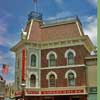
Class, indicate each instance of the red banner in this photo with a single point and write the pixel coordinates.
(23, 63)
(53, 92)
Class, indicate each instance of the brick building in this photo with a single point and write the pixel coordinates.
(2, 88)
(53, 60)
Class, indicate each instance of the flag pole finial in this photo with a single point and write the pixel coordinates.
(35, 5)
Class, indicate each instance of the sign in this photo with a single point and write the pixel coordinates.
(63, 92)
(23, 63)
(52, 92)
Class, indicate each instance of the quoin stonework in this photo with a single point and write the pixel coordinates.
(55, 60)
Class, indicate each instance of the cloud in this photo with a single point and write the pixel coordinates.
(60, 15)
(3, 26)
(59, 1)
(93, 2)
(90, 28)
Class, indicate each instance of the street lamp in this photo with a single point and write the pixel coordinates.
(23, 90)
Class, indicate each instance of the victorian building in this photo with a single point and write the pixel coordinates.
(54, 61)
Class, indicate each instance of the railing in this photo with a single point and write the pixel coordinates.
(65, 19)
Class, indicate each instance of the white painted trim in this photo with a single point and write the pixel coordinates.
(37, 77)
(60, 67)
(70, 71)
(51, 52)
(30, 29)
(32, 53)
(47, 76)
(70, 50)
(78, 28)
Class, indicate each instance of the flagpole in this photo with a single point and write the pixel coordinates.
(35, 5)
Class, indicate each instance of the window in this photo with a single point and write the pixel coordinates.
(52, 81)
(71, 79)
(32, 80)
(52, 60)
(51, 57)
(70, 58)
(33, 60)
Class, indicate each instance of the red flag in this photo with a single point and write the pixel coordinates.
(5, 69)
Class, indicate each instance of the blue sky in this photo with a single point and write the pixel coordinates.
(13, 17)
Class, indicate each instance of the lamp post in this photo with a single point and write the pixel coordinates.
(23, 90)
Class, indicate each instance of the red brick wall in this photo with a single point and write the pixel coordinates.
(61, 81)
(81, 52)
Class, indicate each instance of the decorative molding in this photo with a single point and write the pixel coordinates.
(70, 71)
(47, 76)
(70, 50)
(51, 52)
(61, 67)
(30, 29)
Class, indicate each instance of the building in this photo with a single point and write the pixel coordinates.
(54, 60)
(91, 63)
(2, 88)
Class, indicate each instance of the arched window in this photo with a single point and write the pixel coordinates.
(70, 58)
(52, 80)
(51, 57)
(52, 60)
(33, 60)
(32, 80)
(71, 79)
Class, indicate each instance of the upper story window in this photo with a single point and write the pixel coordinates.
(71, 77)
(70, 55)
(52, 60)
(51, 57)
(70, 58)
(33, 60)
(52, 81)
(51, 77)
(32, 80)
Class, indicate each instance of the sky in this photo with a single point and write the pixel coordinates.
(14, 14)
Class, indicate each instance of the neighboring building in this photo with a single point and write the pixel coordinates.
(53, 61)
(91, 62)
(9, 91)
(2, 88)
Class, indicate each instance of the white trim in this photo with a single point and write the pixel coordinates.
(51, 52)
(32, 53)
(47, 76)
(72, 71)
(79, 28)
(70, 50)
(37, 77)
(30, 29)
(60, 67)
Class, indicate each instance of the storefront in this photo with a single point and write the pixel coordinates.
(65, 94)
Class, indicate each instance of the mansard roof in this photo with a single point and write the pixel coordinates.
(39, 32)
(53, 30)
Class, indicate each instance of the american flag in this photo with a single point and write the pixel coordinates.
(5, 68)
